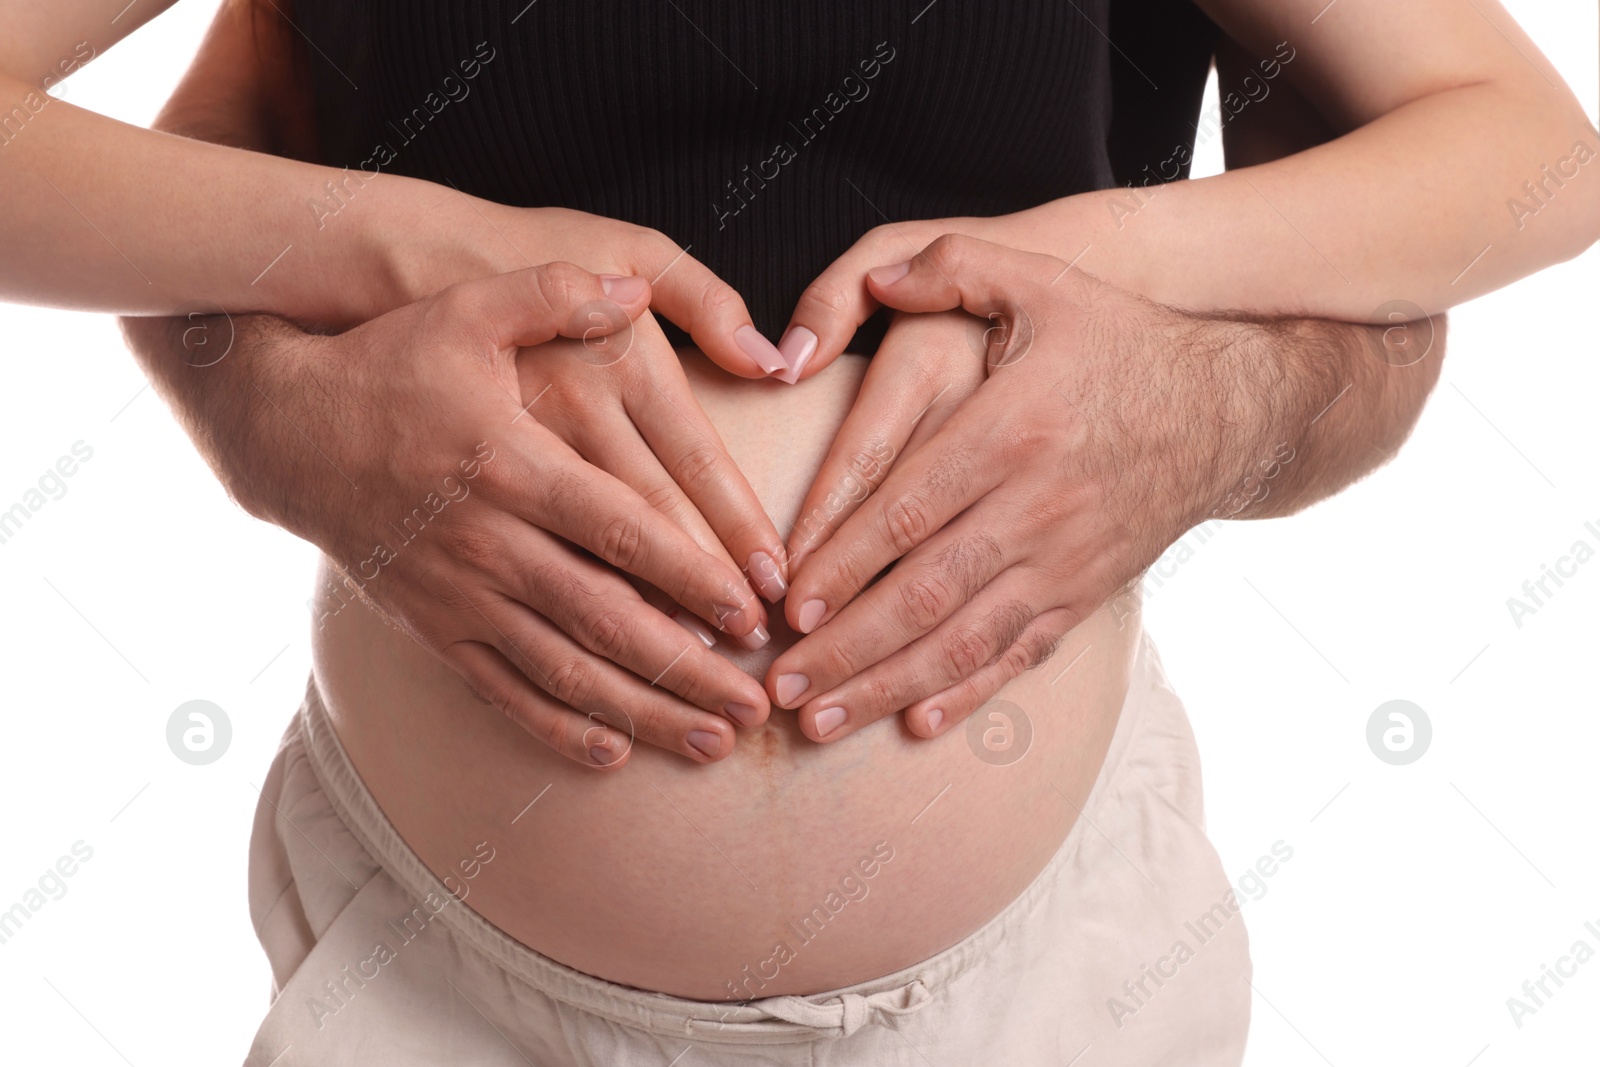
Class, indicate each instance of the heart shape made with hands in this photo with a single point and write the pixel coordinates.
(832, 456)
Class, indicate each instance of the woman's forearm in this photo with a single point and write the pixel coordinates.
(1428, 204)
(1465, 163)
(103, 216)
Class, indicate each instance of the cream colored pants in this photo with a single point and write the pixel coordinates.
(375, 962)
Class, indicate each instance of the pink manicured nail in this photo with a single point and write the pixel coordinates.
(600, 755)
(758, 348)
(623, 288)
(743, 714)
(887, 276)
(791, 687)
(704, 742)
(829, 720)
(811, 613)
(796, 348)
(763, 570)
(935, 720)
(755, 639)
(693, 625)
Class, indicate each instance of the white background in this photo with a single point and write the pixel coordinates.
(1418, 899)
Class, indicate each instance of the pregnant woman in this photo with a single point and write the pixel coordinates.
(437, 882)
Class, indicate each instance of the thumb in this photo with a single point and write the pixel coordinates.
(955, 271)
(523, 308)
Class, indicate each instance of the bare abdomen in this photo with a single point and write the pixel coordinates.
(788, 867)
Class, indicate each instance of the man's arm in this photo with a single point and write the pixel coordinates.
(1193, 417)
(1332, 402)
(1106, 425)
(323, 435)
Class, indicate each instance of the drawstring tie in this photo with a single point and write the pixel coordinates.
(844, 1014)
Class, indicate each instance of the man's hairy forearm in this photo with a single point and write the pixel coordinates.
(1328, 403)
(208, 371)
(1258, 418)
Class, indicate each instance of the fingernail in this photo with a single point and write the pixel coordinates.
(623, 288)
(829, 720)
(743, 714)
(887, 276)
(811, 613)
(764, 572)
(600, 755)
(704, 742)
(791, 687)
(758, 348)
(755, 639)
(796, 348)
(935, 719)
(693, 625)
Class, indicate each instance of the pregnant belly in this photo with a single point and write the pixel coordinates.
(786, 868)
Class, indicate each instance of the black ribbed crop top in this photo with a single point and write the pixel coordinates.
(765, 138)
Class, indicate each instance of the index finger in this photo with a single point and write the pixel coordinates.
(921, 494)
(691, 296)
(837, 303)
(910, 385)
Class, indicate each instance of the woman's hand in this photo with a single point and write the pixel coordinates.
(404, 450)
(1074, 440)
(837, 303)
(487, 238)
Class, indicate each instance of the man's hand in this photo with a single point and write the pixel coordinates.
(1037, 472)
(403, 449)
(577, 628)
